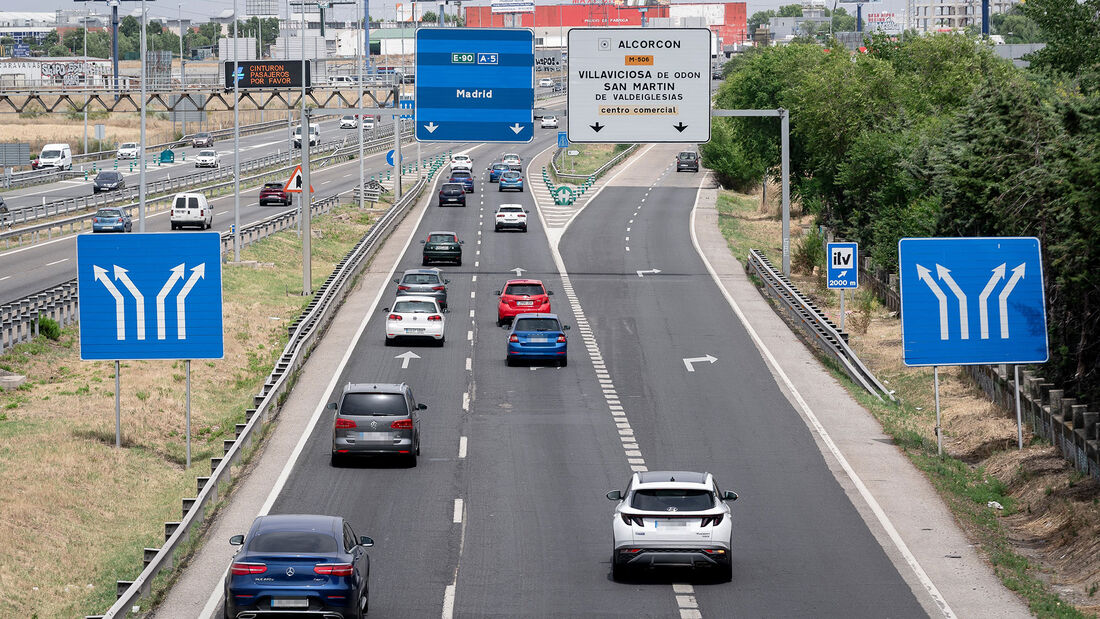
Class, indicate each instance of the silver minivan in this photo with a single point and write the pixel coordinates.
(376, 419)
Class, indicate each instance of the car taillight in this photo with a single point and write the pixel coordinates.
(344, 424)
(635, 520)
(402, 424)
(244, 569)
(523, 215)
(333, 569)
(513, 338)
(438, 288)
(712, 520)
(561, 339)
(201, 212)
(394, 317)
(500, 214)
(402, 287)
(435, 318)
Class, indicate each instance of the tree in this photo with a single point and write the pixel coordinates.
(1072, 33)
(129, 26)
(842, 21)
(790, 10)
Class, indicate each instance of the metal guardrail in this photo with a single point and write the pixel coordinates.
(34, 232)
(304, 334)
(814, 324)
(614, 161)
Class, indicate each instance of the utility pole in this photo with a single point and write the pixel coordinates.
(359, 116)
(236, 140)
(86, 17)
(141, 151)
(306, 197)
(183, 116)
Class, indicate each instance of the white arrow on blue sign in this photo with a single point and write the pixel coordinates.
(475, 85)
(563, 139)
(150, 296)
(967, 301)
(389, 157)
(842, 272)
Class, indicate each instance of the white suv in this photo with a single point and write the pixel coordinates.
(128, 150)
(671, 518)
(511, 216)
(462, 162)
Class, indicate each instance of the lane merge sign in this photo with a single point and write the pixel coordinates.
(475, 85)
(637, 85)
(967, 301)
(294, 183)
(843, 266)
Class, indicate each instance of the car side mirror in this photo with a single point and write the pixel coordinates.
(385, 309)
(526, 211)
(729, 496)
(422, 242)
(365, 541)
(496, 292)
(445, 310)
(615, 495)
(421, 407)
(565, 327)
(549, 293)
(236, 540)
(397, 281)
(331, 406)
(446, 281)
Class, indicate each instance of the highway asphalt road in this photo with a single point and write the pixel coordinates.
(505, 514)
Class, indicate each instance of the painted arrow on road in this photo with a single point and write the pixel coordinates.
(648, 272)
(689, 361)
(405, 357)
(518, 271)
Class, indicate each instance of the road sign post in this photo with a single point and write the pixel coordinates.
(475, 85)
(968, 301)
(842, 270)
(631, 85)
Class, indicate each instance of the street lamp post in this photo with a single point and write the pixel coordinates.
(236, 140)
(141, 151)
(359, 117)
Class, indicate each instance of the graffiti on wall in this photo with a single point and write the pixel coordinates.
(71, 73)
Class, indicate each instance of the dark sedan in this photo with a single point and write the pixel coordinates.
(442, 246)
(452, 194)
(299, 564)
(108, 180)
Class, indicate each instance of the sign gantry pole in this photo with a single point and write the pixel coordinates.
(141, 151)
(305, 202)
(236, 139)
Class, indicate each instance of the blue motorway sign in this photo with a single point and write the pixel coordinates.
(966, 301)
(475, 85)
(21, 50)
(563, 139)
(150, 296)
(407, 104)
(842, 268)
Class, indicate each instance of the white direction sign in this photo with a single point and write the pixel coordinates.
(630, 85)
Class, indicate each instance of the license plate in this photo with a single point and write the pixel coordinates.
(414, 330)
(539, 340)
(289, 603)
(669, 523)
(525, 302)
(374, 436)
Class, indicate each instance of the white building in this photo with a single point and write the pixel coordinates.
(952, 15)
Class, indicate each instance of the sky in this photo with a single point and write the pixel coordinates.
(201, 10)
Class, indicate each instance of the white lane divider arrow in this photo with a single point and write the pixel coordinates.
(431, 127)
(516, 128)
(120, 312)
(197, 273)
(1017, 275)
(649, 272)
(689, 361)
(177, 274)
(518, 271)
(983, 308)
(405, 357)
(964, 314)
(139, 299)
(925, 276)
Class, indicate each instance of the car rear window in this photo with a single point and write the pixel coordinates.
(672, 500)
(523, 289)
(453, 189)
(374, 404)
(510, 175)
(414, 307)
(461, 174)
(537, 324)
(273, 185)
(293, 542)
(515, 167)
(500, 166)
(688, 156)
(107, 213)
(421, 278)
(511, 209)
(441, 238)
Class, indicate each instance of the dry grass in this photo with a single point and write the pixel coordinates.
(1049, 534)
(74, 511)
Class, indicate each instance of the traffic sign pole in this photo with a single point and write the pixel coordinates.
(188, 413)
(842, 309)
(1019, 419)
(939, 430)
(118, 409)
(307, 206)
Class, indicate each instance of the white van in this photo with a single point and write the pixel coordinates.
(56, 156)
(191, 209)
(341, 80)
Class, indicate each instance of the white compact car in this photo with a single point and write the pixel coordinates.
(510, 216)
(208, 159)
(546, 82)
(510, 159)
(462, 162)
(368, 122)
(128, 150)
(348, 122)
(549, 122)
(191, 209)
(671, 518)
(415, 317)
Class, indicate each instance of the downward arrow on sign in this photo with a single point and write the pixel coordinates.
(516, 128)
(680, 127)
(431, 127)
(596, 127)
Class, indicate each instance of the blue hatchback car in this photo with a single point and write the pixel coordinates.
(112, 220)
(464, 178)
(496, 170)
(510, 180)
(538, 337)
(298, 564)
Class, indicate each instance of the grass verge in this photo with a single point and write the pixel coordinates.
(591, 157)
(980, 467)
(64, 485)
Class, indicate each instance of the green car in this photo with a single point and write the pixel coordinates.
(442, 246)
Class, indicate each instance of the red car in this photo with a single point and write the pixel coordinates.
(522, 296)
(273, 192)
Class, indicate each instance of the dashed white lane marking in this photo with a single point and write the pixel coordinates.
(628, 228)
(5, 277)
(469, 336)
(50, 264)
(458, 511)
(469, 364)
(474, 278)
(449, 601)
(690, 613)
(462, 447)
(466, 401)
(477, 264)
(627, 238)
(471, 313)
(627, 249)
(473, 293)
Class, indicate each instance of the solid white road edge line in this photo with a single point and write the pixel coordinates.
(276, 489)
(815, 424)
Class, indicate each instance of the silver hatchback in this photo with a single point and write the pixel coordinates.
(424, 283)
(376, 419)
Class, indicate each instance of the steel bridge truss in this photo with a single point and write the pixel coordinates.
(216, 100)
